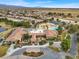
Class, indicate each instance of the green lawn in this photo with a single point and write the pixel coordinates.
(3, 50)
(68, 57)
(54, 49)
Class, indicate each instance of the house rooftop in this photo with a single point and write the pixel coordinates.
(16, 34)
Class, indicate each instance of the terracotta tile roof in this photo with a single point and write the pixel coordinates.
(16, 35)
(50, 33)
(34, 39)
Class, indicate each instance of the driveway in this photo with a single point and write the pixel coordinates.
(48, 54)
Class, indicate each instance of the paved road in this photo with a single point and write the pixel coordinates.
(48, 54)
(73, 49)
(11, 50)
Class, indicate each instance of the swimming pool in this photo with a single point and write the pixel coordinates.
(56, 28)
(53, 28)
(2, 29)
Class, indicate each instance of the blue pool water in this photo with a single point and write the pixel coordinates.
(53, 28)
(2, 29)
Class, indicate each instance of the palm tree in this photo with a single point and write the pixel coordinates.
(59, 29)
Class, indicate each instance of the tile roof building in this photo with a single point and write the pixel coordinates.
(16, 34)
(42, 33)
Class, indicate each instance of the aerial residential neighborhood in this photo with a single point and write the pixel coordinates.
(38, 32)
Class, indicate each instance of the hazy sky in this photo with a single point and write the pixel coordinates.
(43, 3)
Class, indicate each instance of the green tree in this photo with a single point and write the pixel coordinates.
(50, 40)
(50, 13)
(26, 37)
(58, 20)
(50, 20)
(26, 24)
(73, 28)
(15, 24)
(69, 15)
(65, 45)
(78, 37)
(77, 16)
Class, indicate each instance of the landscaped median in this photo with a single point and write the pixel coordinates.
(3, 50)
(33, 54)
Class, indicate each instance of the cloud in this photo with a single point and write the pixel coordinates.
(44, 3)
(69, 5)
(25, 3)
(15, 2)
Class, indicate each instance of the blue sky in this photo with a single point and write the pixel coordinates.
(43, 3)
